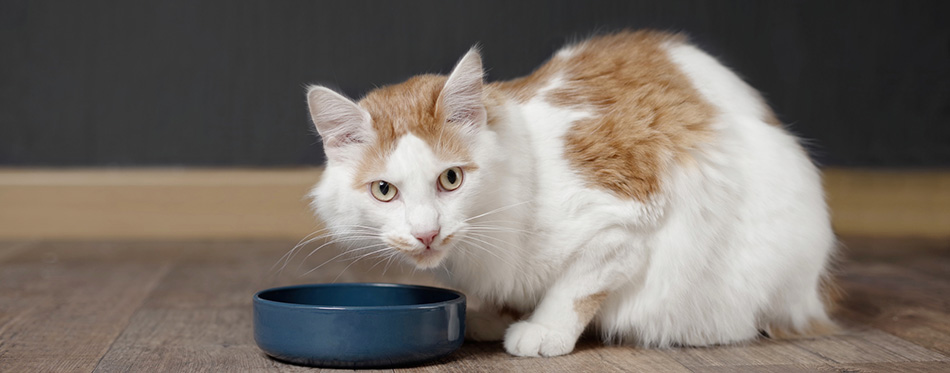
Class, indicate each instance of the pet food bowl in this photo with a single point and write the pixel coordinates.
(358, 325)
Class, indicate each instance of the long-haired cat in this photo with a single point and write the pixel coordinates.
(631, 184)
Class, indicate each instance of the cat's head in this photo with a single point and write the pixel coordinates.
(404, 163)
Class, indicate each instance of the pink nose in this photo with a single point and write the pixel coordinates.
(427, 237)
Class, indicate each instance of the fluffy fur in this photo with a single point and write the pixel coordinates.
(632, 184)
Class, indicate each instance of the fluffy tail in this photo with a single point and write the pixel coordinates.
(817, 325)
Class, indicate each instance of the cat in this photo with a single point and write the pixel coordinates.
(631, 185)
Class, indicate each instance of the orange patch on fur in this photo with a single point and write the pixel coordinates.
(587, 307)
(408, 107)
(647, 112)
(447, 239)
(399, 244)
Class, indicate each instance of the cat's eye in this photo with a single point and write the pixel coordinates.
(383, 191)
(451, 179)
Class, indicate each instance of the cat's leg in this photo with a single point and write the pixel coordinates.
(559, 320)
(569, 304)
(488, 323)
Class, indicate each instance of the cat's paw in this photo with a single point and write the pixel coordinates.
(485, 327)
(525, 338)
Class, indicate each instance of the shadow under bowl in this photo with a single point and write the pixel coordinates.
(359, 325)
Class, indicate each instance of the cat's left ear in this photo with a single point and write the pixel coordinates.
(344, 126)
(461, 97)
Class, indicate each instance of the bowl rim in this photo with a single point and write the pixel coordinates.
(460, 297)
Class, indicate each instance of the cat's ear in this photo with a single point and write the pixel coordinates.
(461, 97)
(343, 125)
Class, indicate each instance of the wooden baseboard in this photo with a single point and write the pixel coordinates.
(155, 204)
(889, 203)
(180, 204)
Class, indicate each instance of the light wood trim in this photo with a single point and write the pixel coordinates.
(155, 204)
(147, 204)
(889, 203)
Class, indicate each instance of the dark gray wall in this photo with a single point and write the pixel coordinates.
(89, 83)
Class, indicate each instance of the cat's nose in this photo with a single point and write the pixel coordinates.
(427, 237)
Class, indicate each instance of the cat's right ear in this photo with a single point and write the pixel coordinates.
(343, 125)
(461, 97)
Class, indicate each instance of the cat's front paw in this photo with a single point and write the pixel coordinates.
(525, 338)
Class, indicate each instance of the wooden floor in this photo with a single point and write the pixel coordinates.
(185, 306)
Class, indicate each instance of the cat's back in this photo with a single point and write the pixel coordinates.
(626, 107)
(643, 141)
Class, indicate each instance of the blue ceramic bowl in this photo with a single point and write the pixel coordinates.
(358, 325)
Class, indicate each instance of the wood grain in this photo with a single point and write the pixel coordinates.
(169, 204)
(859, 344)
(900, 286)
(9, 249)
(809, 368)
(763, 352)
(900, 302)
(60, 314)
(188, 322)
(185, 306)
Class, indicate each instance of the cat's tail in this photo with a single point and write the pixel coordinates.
(815, 324)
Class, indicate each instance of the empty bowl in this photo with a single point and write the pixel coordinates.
(359, 325)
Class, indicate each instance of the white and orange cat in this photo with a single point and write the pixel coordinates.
(631, 184)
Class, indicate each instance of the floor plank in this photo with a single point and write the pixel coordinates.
(189, 339)
(858, 344)
(62, 315)
(189, 320)
(11, 248)
(174, 306)
(899, 301)
(793, 368)
(628, 359)
(922, 367)
(762, 352)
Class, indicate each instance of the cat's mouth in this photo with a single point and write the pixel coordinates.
(426, 258)
(423, 258)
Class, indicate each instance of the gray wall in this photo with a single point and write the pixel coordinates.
(201, 83)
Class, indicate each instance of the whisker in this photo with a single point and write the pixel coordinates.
(501, 225)
(500, 209)
(390, 261)
(498, 230)
(475, 258)
(486, 250)
(337, 256)
(290, 252)
(378, 262)
(330, 242)
(483, 235)
(487, 236)
(307, 240)
(358, 259)
(472, 245)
